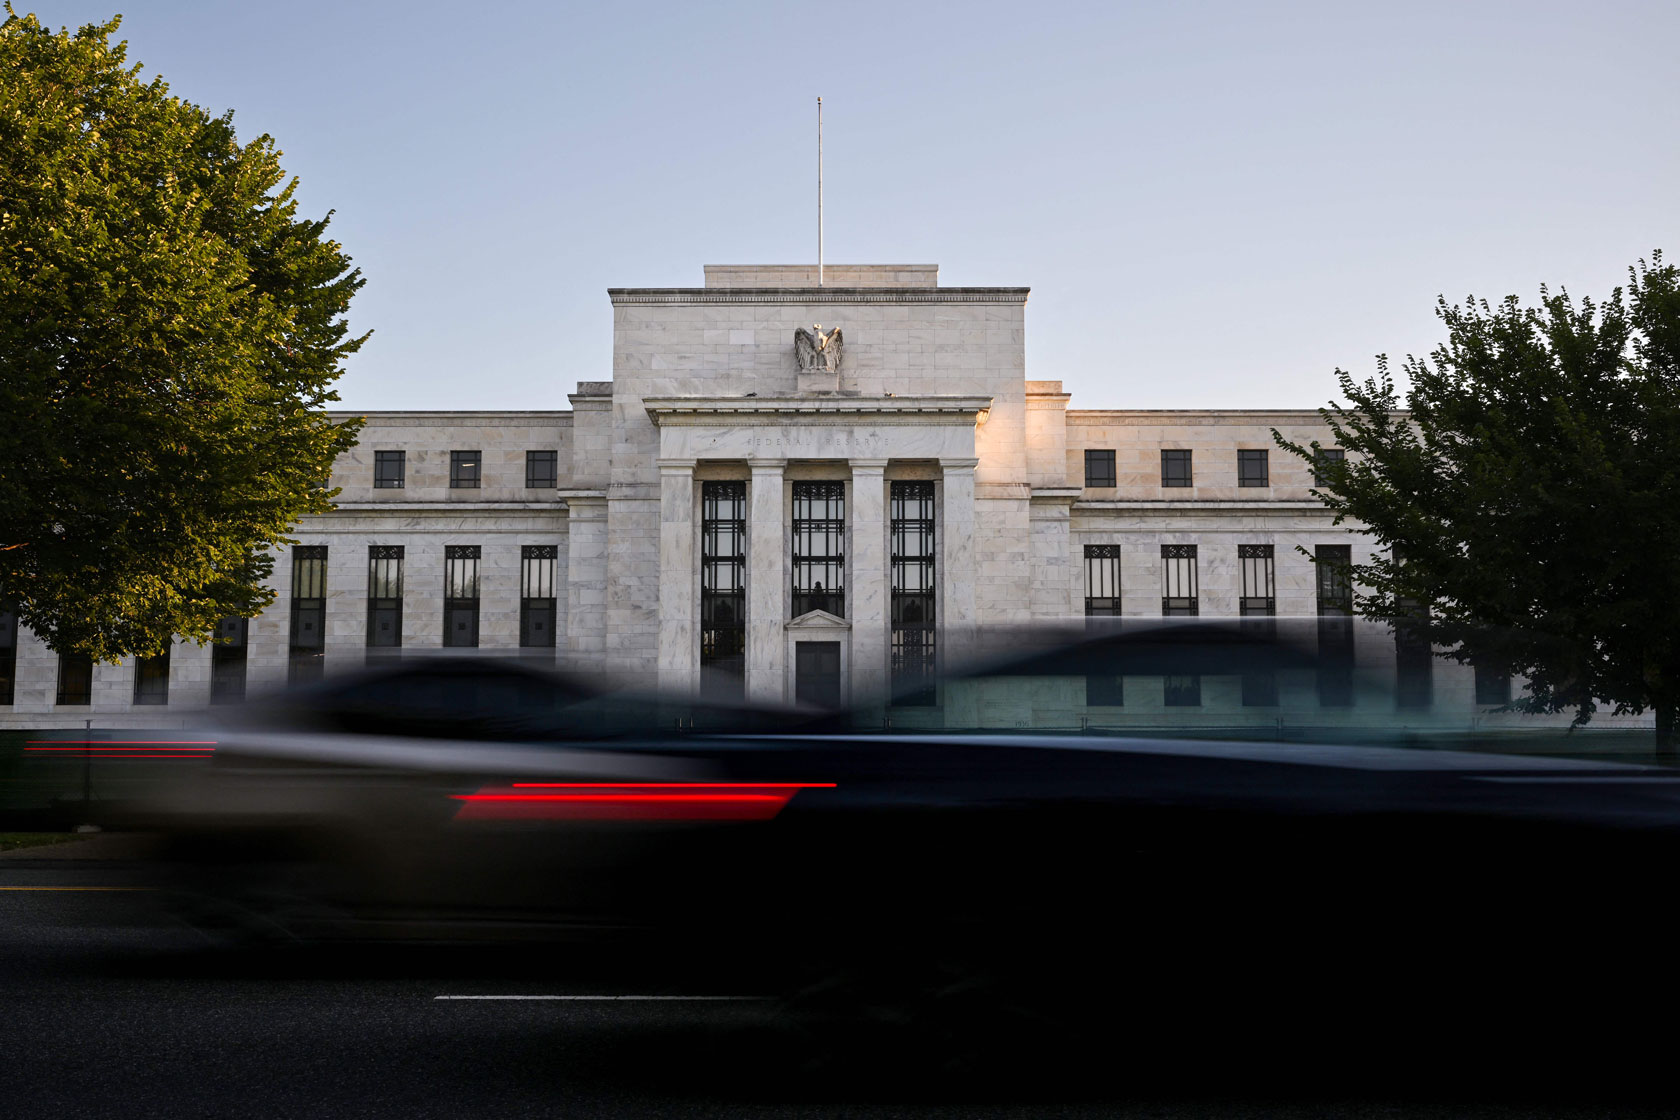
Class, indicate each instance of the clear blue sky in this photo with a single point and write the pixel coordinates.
(1215, 204)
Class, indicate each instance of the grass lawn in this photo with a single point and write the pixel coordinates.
(12, 840)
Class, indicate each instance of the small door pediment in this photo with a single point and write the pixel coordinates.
(818, 621)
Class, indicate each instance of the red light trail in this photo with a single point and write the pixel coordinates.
(634, 801)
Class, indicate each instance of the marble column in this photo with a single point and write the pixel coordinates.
(766, 584)
(868, 595)
(958, 570)
(679, 639)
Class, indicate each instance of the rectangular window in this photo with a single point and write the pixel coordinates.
(723, 588)
(1175, 468)
(460, 594)
(1493, 686)
(819, 548)
(227, 661)
(1252, 469)
(389, 469)
(539, 566)
(465, 467)
(151, 679)
(309, 610)
(1178, 580)
(1181, 691)
(1335, 624)
(1326, 461)
(385, 596)
(1259, 580)
(1414, 664)
(1099, 468)
(542, 470)
(75, 679)
(8, 655)
(1102, 580)
(911, 531)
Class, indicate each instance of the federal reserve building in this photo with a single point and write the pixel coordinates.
(785, 491)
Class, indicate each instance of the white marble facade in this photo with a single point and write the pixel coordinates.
(704, 386)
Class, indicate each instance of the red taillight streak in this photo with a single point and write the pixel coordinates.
(692, 797)
(128, 750)
(134, 755)
(672, 785)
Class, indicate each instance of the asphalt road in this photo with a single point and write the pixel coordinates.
(112, 1005)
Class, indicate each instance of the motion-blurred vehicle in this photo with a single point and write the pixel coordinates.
(1214, 889)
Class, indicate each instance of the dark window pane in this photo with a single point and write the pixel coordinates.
(1182, 692)
(464, 469)
(1179, 589)
(542, 470)
(723, 605)
(1493, 685)
(460, 594)
(1099, 468)
(227, 661)
(151, 679)
(8, 655)
(1325, 462)
(819, 548)
(1175, 468)
(911, 536)
(1104, 691)
(389, 468)
(75, 679)
(1251, 468)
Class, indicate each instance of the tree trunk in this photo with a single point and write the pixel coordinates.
(1665, 729)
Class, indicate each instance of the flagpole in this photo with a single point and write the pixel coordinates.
(819, 196)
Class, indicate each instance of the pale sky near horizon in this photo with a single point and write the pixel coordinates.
(1215, 204)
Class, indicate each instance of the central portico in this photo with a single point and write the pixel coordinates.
(816, 503)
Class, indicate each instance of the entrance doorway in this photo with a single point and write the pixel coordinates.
(816, 673)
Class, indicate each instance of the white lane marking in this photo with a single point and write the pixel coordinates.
(705, 999)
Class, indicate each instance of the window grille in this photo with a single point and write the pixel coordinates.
(75, 679)
(228, 661)
(539, 566)
(1335, 624)
(1178, 580)
(1102, 579)
(723, 600)
(389, 469)
(819, 548)
(911, 531)
(1099, 468)
(1493, 686)
(465, 469)
(542, 470)
(385, 596)
(151, 679)
(8, 655)
(1252, 468)
(1326, 461)
(309, 609)
(1175, 467)
(1259, 583)
(460, 594)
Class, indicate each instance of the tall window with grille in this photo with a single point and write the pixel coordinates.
(75, 679)
(1335, 624)
(307, 648)
(1257, 603)
(723, 588)
(1414, 661)
(819, 548)
(227, 660)
(385, 596)
(389, 469)
(542, 470)
(1102, 600)
(8, 654)
(1178, 580)
(539, 566)
(460, 594)
(466, 469)
(1175, 467)
(151, 679)
(911, 531)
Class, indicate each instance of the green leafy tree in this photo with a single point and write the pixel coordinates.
(1530, 486)
(170, 329)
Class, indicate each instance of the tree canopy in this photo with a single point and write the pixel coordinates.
(1529, 485)
(170, 330)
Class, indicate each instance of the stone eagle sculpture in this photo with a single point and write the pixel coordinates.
(816, 350)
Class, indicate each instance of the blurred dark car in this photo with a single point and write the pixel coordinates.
(1141, 887)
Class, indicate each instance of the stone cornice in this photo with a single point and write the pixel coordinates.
(1199, 505)
(709, 412)
(558, 505)
(693, 296)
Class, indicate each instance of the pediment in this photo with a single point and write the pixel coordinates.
(818, 620)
